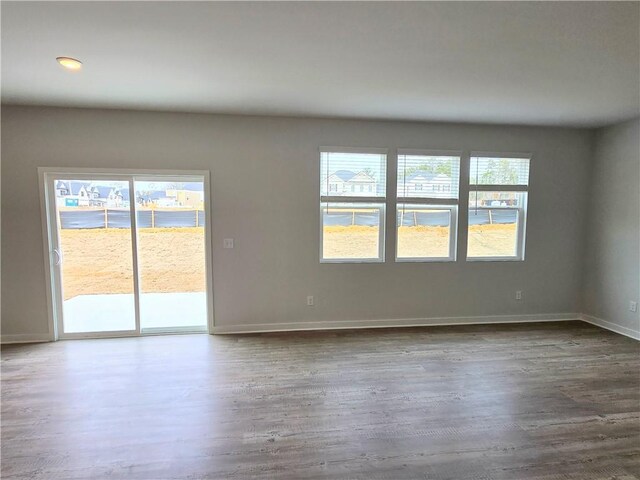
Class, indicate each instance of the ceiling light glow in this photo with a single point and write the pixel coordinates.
(69, 63)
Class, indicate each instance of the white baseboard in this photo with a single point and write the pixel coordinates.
(398, 322)
(599, 322)
(390, 323)
(26, 338)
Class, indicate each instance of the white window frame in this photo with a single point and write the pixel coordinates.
(521, 215)
(327, 200)
(451, 204)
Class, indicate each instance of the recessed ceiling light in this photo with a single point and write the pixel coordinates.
(69, 63)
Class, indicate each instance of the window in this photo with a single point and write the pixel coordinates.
(498, 189)
(427, 212)
(352, 224)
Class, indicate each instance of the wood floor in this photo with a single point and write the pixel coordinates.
(536, 401)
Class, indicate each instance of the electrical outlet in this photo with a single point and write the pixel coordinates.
(518, 294)
(633, 306)
(227, 243)
(310, 301)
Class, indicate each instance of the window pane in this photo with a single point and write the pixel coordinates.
(351, 231)
(171, 253)
(97, 271)
(491, 240)
(493, 223)
(499, 171)
(353, 174)
(428, 176)
(497, 199)
(423, 232)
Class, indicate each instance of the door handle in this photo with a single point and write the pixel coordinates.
(58, 254)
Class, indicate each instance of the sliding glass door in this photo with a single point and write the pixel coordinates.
(127, 253)
(94, 255)
(171, 254)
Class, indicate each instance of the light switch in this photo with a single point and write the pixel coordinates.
(228, 243)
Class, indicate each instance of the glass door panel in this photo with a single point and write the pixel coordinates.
(170, 225)
(94, 255)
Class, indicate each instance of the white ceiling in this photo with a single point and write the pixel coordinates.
(547, 63)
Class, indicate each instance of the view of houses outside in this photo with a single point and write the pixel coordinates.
(425, 176)
(352, 230)
(76, 193)
(348, 183)
(95, 237)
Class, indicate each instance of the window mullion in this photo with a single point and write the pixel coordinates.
(498, 188)
(345, 199)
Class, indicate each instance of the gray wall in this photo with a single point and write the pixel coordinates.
(273, 213)
(612, 272)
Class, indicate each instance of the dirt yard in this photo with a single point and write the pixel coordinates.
(172, 259)
(420, 241)
(99, 260)
(492, 240)
(423, 241)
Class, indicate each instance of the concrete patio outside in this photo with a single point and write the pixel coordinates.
(115, 312)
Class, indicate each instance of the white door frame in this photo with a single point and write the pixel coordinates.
(51, 241)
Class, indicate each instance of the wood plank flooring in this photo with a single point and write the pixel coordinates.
(535, 401)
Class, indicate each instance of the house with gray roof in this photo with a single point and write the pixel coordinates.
(90, 194)
(350, 184)
(423, 183)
